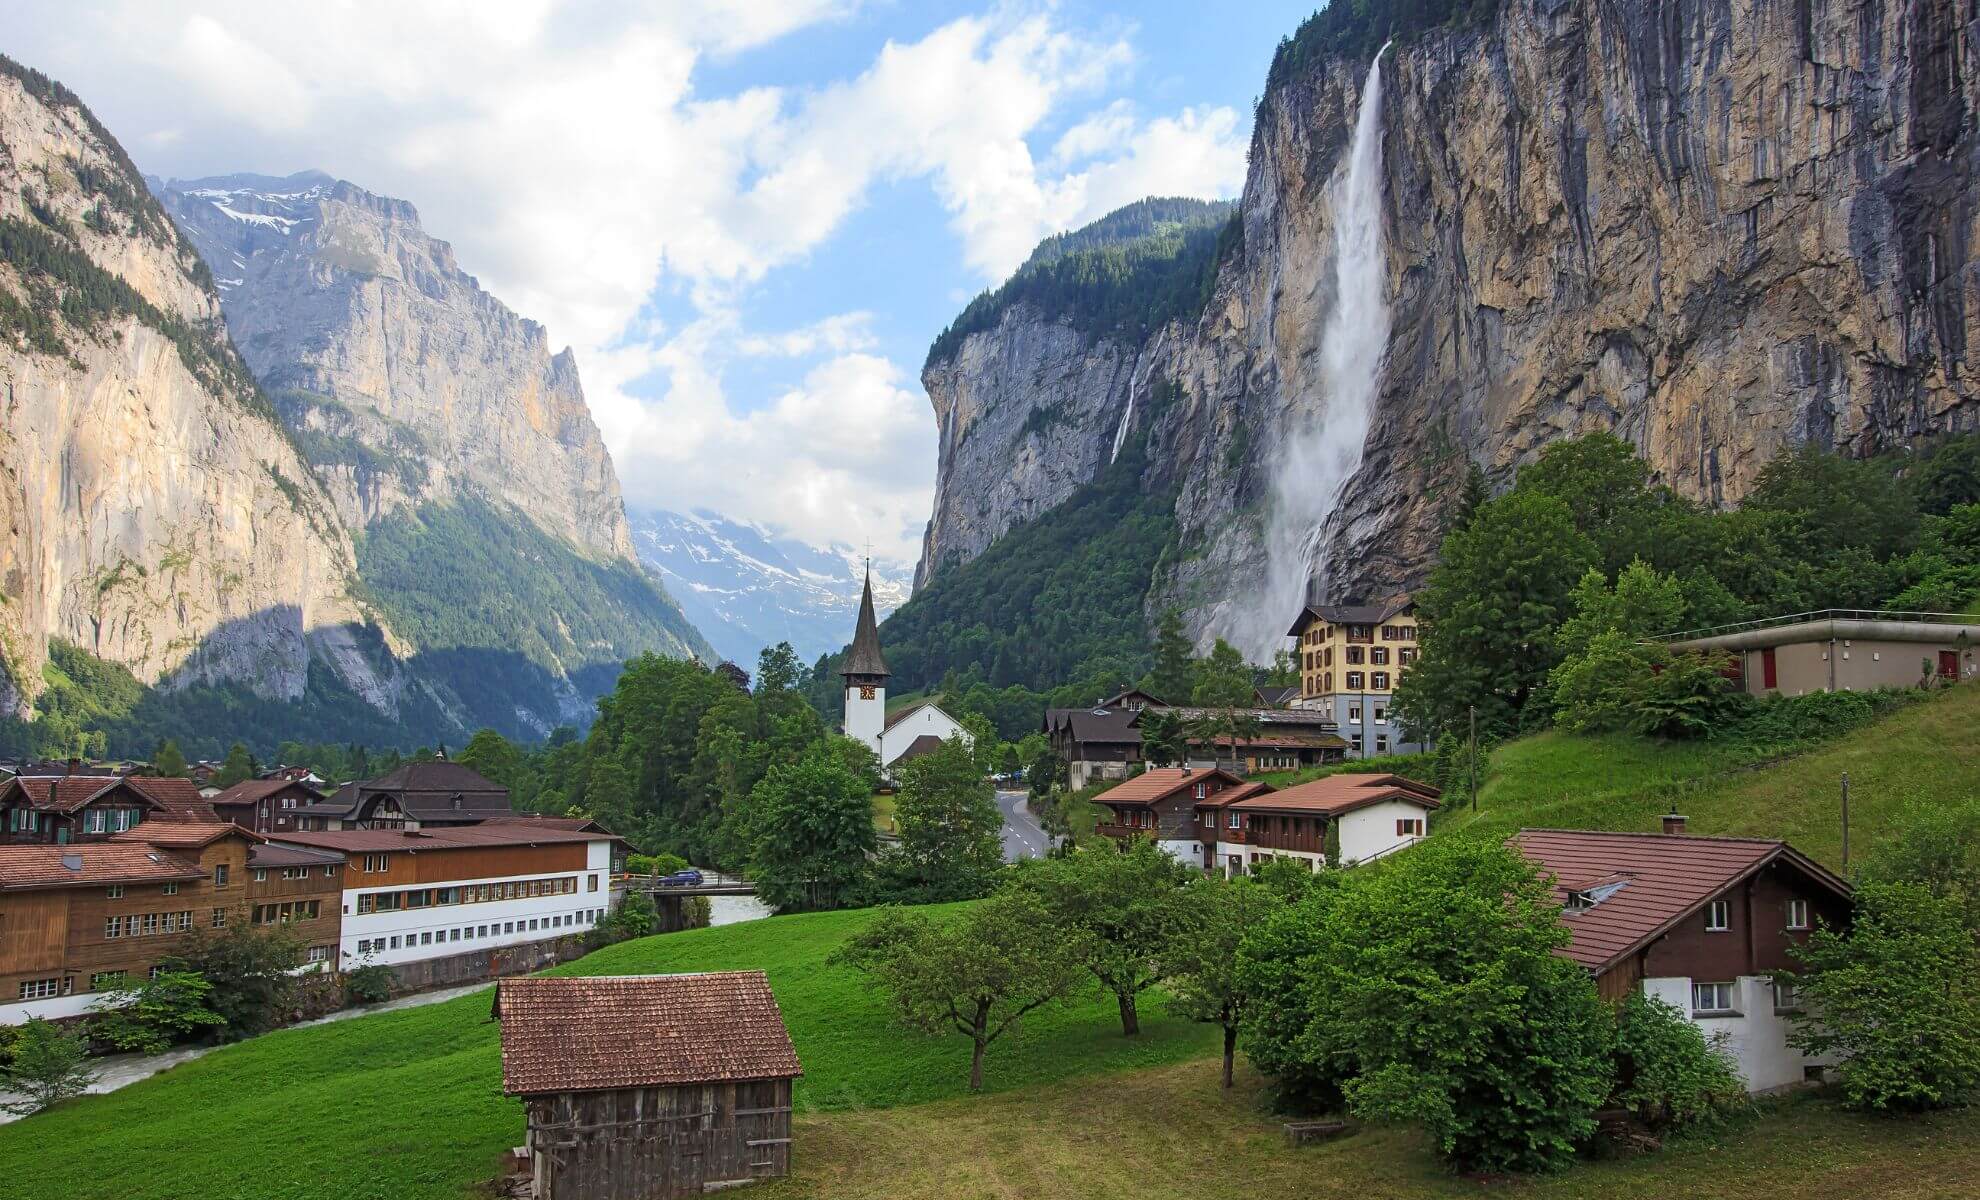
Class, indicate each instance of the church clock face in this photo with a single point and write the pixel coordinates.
(866, 693)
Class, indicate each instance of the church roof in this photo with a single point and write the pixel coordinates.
(864, 657)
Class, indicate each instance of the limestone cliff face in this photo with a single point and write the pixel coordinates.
(1026, 412)
(1716, 230)
(405, 381)
(152, 510)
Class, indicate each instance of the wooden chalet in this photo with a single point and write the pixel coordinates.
(68, 808)
(415, 795)
(648, 1087)
(1703, 923)
(271, 805)
(1284, 739)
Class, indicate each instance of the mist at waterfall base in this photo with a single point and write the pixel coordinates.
(1322, 450)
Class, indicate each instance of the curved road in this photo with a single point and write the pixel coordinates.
(1023, 838)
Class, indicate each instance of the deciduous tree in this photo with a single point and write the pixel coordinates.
(1201, 963)
(812, 823)
(977, 972)
(49, 1065)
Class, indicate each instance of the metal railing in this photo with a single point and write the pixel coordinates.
(1820, 614)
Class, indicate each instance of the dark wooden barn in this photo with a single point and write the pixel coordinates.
(647, 1087)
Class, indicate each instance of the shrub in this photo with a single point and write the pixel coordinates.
(656, 864)
(1427, 989)
(1897, 999)
(49, 1065)
(148, 1015)
(369, 984)
(252, 970)
(1667, 1072)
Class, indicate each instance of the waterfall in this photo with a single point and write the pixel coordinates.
(1318, 458)
(1120, 433)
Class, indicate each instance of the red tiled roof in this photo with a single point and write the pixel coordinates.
(24, 868)
(1159, 783)
(1336, 795)
(1666, 878)
(586, 1033)
(184, 835)
(451, 837)
(291, 856)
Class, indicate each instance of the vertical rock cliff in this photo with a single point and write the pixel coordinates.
(371, 338)
(1716, 230)
(152, 509)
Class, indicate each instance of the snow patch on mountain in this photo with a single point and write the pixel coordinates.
(746, 587)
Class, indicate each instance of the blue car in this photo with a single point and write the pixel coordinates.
(688, 878)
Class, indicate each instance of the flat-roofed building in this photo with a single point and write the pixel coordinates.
(1843, 650)
(412, 894)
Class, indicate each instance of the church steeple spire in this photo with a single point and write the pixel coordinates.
(864, 659)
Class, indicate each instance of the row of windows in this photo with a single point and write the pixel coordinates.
(110, 820)
(44, 989)
(1355, 681)
(1317, 634)
(478, 893)
(1718, 915)
(149, 924)
(288, 910)
(1716, 999)
(261, 873)
(1356, 656)
(470, 933)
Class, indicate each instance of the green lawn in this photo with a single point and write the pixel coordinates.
(407, 1104)
(1168, 1133)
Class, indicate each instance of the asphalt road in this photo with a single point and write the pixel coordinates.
(1022, 836)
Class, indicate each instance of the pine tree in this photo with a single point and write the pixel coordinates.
(1172, 680)
(168, 761)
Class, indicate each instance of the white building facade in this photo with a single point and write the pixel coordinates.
(865, 674)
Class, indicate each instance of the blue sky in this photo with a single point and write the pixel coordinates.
(748, 218)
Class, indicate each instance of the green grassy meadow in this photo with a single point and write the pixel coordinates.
(408, 1103)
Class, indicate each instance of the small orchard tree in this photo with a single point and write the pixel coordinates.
(1124, 910)
(149, 1015)
(1200, 964)
(1897, 999)
(976, 973)
(50, 1064)
(813, 827)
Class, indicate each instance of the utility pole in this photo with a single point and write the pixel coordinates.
(1474, 757)
(1845, 819)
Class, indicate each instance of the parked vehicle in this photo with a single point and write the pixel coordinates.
(687, 878)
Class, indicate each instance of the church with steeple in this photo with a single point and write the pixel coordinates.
(914, 730)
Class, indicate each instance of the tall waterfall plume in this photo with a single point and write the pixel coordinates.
(1321, 454)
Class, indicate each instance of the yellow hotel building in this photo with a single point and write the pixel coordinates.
(1350, 656)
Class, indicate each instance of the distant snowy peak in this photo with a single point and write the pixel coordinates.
(747, 587)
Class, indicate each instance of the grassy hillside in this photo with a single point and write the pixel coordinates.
(1926, 752)
(407, 1104)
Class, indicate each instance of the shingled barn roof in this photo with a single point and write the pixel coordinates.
(593, 1033)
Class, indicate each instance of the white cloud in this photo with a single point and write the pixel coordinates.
(564, 148)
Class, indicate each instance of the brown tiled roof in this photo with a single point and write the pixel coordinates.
(184, 835)
(927, 743)
(291, 856)
(1159, 783)
(1232, 795)
(1337, 795)
(1105, 726)
(543, 821)
(248, 791)
(1666, 878)
(177, 799)
(24, 868)
(488, 833)
(586, 1033)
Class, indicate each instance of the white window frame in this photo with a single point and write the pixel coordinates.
(114, 892)
(1718, 916)
(1797, 913)
(1717, 991)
